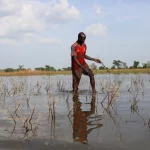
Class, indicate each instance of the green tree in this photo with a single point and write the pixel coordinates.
(20, 67)
(59, 70)
(47, 67)
(9, 70)
(113, 67)
(67, 69)
(131, 67)
(119, 64)
(40, 68)
(136, 64)
(52, 69)
(144, 65)
(101, 68)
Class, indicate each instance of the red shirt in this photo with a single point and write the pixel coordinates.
(78, 51)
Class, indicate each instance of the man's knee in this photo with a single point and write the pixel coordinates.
(91, 74)
(77, 75)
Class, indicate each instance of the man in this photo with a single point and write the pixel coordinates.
(78, 64)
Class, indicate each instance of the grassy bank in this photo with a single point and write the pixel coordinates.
(30, 73)
(125, 71)
(113, 71)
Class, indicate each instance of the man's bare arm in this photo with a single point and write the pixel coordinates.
(93, 59)
(89, 58)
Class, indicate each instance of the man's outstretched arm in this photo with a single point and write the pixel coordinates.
(93, 59)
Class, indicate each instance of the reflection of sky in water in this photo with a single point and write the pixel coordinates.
(86, 107)
(119, 122)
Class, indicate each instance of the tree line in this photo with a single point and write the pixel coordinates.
(45, 68)
(136, 64)
(117, 64)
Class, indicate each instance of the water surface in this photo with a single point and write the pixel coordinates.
(42, 112)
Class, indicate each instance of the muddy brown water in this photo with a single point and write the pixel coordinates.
(41, 112)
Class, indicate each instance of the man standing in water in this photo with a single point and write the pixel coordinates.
(78, 64)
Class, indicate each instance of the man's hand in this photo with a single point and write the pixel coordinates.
(97, 60)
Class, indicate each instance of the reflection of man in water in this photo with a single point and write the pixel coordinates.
(80, 120)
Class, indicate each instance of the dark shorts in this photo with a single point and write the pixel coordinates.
(77, 75)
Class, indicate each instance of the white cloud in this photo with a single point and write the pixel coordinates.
(96, 30)
(97, 9)
(50, 41)
(8, 7)
(21, 17)
(25, 22)
(6, 41)
(61, 12)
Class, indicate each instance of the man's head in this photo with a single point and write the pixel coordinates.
(81, 37)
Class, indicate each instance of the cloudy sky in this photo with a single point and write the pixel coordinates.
(35, 33)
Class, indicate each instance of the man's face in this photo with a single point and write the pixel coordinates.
(82, 38)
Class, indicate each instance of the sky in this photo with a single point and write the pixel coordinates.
(35, 33)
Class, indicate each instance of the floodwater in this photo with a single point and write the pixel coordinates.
(41, 112)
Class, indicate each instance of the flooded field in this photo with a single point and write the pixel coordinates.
(41, 112)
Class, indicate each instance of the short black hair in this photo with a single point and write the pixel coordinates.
(81, 33)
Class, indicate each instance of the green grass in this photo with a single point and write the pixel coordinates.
(124, 71)
(112, 71)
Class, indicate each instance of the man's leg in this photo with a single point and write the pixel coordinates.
(92, 80)
(91, 76)
(76, 75)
